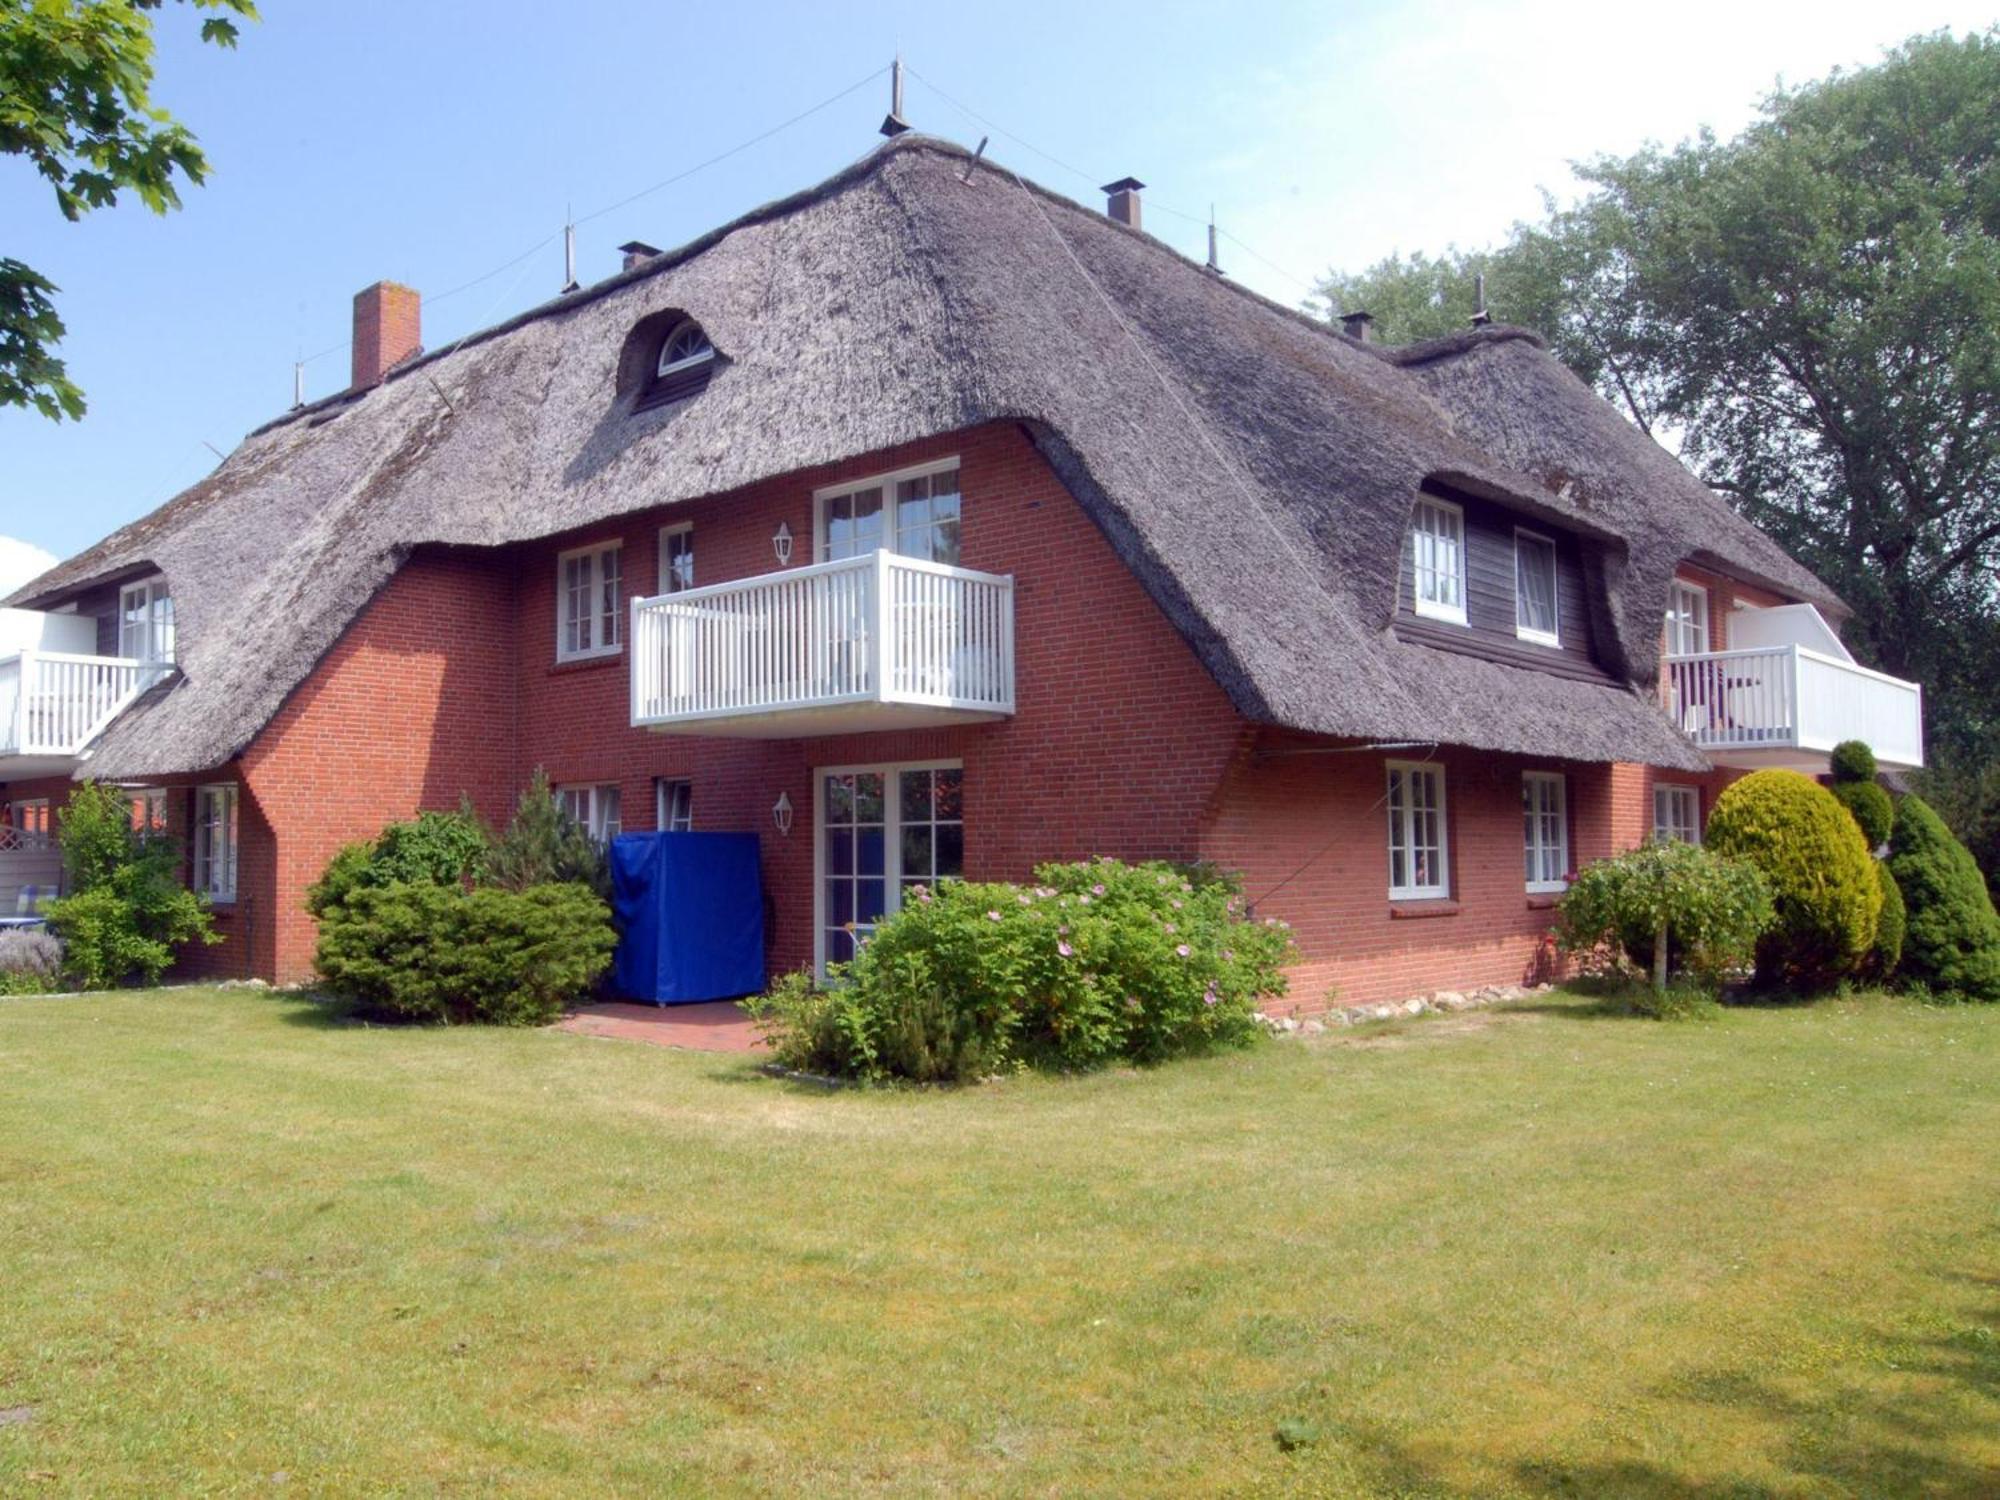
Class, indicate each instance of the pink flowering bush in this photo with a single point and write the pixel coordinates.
(1097, 962)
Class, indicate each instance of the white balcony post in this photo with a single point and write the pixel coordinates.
(882, 650)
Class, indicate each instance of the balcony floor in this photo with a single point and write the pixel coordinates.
(815, 720)
(31, 767)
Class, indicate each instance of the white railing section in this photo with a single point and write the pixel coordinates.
(1792, 698)
(54, 703)
(878, 628)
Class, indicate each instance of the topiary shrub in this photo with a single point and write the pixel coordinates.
(1097, 962)
(1852, 761)
(127, 912)
(1891, 926)
(1712, 909)
(1823, 885)
(1952, 941)
(421, 952)
(1869, 805)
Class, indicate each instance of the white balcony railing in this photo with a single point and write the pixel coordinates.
(1790, 705)
(53, 704)
(878, 641)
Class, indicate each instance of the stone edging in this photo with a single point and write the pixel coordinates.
(1438, 1002)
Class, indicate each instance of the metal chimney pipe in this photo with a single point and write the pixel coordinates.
(569, 258)
(894, 125)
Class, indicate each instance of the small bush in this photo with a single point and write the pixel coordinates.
(1099, 961)
(1890, 927)
(127, 911)
(1852, 761)
(1822, 879)
(1951, 945)
(31, 962)
(542, 846)
(1713, 909)
(1869, 805)
(434, 848)
(423, 952)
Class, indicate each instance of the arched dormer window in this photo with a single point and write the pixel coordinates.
(685, 362)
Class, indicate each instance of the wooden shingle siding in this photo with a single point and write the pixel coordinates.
(1489, 631)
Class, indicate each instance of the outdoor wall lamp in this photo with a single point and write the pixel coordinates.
(781, 543)
(781, 814)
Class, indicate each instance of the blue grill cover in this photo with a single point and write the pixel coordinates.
(691, 910)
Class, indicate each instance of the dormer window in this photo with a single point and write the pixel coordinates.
(1535, 608)
(686, 360)
(1437, 555)
(146, 622)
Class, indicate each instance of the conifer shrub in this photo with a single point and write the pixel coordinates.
(1891, 926)
(542, 844)
(1097, 962)
(1951, 943)
(1869, 805)
(1852, 761)
(1824, 889)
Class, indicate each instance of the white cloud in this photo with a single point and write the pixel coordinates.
(20, 561)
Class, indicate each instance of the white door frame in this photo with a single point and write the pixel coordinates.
(892, 837)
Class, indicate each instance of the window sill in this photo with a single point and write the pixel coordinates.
(1538, 638)
(1411, 908)
(585, 663)
(1442, 616)
(1544, 900)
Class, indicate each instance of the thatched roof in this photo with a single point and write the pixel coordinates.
(1255, 468)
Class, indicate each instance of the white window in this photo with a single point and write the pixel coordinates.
(146, 621)
(1437, 556)
(149, 808)
(589, 602)
(914, 513)
(1417, 855)
(1545, 831)
(882, 832)
(685, 348)
(595, 809)
(215, 842)
(673, 806)
(31, 815)
(1687, 619)
(676, 558)
(1677, 813)
(1535, 612)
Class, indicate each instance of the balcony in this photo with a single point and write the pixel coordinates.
(867, 643)
(54, 704)
(1788, 705)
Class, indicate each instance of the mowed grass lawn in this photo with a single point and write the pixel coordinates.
(1533, 1252)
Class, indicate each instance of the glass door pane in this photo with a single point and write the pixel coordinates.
(853, 860)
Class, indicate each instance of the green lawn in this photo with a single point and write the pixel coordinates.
(1531, 1252)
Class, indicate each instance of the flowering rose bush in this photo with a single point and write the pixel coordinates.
(1096, 962)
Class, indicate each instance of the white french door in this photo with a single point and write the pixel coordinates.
(878, 832)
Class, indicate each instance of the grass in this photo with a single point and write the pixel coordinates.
(1537, 1252)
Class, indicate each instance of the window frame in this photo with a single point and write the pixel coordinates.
(1431, 609)
(665, 819)
(667, 580)
(1676, 790)
(593, 821)
(202, 867)
(32, 815)
(1677, 619)
(1532, 814)
(892, 830)
(1440, 888)
(156, 610)
(1552, 637)
(887, 483)
(148, 807)
(596, 553)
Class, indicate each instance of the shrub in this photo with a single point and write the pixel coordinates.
(433, 848)
(30, 962)
(1952, 941)
(1099, 961)
(1852, 762)
(542, 845)
(424, 952)
(127, 911)
(1712, 908)
(1869, 805)
(1890, 927)
(1823, 884)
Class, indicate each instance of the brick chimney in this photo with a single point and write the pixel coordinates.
(637, 252)
(388, 329)
(1122, 200)
(1358, 325)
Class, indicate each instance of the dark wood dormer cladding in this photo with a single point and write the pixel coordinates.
(1491, 629)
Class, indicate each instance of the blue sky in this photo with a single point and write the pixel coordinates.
(432, 142)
